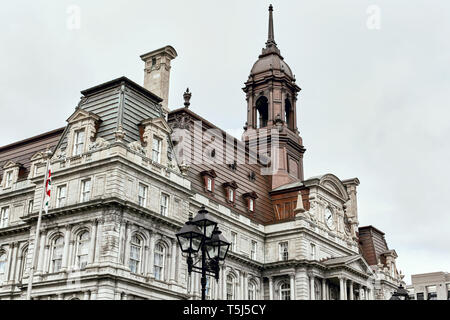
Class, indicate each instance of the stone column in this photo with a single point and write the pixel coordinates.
(94, 295)
(65, 258)
(224, 283)
(46, 264)
(311, 287)
(341, 289)
(351, 290)
(173, 261)
(345, 290)
(261, 289)
(9, 261)
(71, 255)
(91, 255)
(292, 286)
(151, 255)
(124, 254)
(145, 260)
(324, 289)
(17, 277)
(244, 286)
(41, 253)
(271, 288)
(238, 285)
(98, 241)
(86, 295)
(12, 275)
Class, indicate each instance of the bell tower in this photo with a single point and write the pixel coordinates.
(271, 94)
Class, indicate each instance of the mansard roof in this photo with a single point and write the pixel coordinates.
(372, 244)
(184, 118)
(22, 151)
(119, 103)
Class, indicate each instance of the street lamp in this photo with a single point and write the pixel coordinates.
(201, 232)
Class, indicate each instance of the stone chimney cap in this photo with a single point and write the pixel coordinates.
(169, 50)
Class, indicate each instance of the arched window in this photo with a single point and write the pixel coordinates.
(251, 290)
(285, 291)
(57, 253)
(23, 263)
(135, 253)
(82, 249)
(159, 261)
(230, 287)
(289, 114)
(2, 263)
(262, 106)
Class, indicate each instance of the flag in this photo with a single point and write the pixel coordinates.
(48, 184)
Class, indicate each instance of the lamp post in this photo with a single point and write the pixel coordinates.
(400, 294)
(202, 233)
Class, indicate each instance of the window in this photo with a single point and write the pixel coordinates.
(164, 204)
(233, 241)
(313, 251)
(159, 261)
(82, 249)
(209, 184)
(135, 254)
(8, 179)
(142, 197)
(251, 291)
(23, 264)
(230, 287)
(251, 204)
(30, 206)
(285, 291)
(431, 290)
(61, 196)
(57, 253)
(420, 296)
(156, 150)
(85, 190)
(253, 250)
(2, 263)
(283, 249)
(231, 195)
(78, 143)
(4, 217)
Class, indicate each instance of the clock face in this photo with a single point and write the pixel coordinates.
(329, 218)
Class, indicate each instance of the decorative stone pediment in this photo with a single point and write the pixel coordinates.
(156, 128)
(332, 183)
(82, 115)
(11, 164)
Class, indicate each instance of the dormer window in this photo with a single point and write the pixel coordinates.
(209, 184)
(208, 179)
(250, 198)
(156, 149)
(78, 145)
(230, 190)
(8, 179)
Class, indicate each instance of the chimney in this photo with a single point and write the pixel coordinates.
(157, 72)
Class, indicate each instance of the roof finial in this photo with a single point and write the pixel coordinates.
(187, 97)
(271, 37)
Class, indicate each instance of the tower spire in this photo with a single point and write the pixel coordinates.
(270, 37)
(271, 45)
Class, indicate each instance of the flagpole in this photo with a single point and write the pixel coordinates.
(38, 228)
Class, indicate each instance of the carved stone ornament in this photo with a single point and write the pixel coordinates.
(98, 144)
(61, 154)
(120, 134)
(182, 122)
(136, 146)
(184, 168)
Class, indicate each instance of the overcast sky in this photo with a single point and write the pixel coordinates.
(373, 105)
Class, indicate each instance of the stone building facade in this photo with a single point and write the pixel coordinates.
(430, 286)
(127, 172)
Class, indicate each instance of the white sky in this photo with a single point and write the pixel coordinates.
(373, 102)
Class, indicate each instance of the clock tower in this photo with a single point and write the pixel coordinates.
(271, 94)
